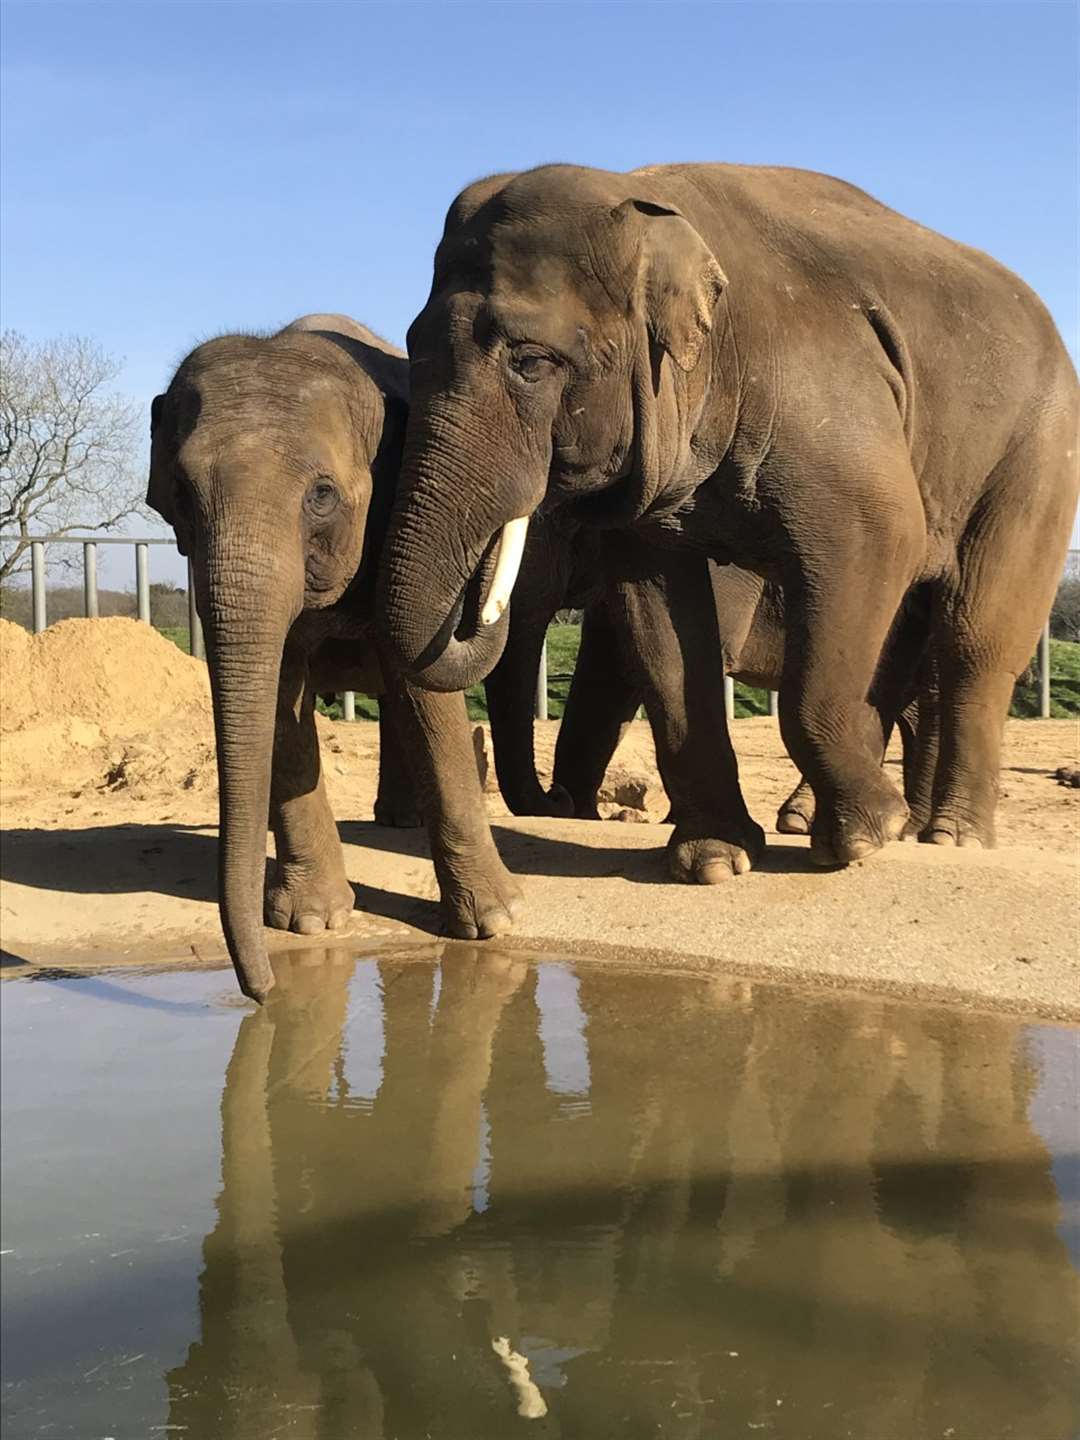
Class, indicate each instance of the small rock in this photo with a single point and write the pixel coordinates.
(628, 788)
(1066, 775)
(628, 814)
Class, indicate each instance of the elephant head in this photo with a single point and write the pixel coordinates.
(561, 359)
(274, 459)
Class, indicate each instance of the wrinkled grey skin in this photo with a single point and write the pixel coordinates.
(275, 459)
(755, 365)
(563, 568)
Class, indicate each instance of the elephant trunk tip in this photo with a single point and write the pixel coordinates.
(255, 977)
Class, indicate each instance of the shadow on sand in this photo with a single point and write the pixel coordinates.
(181, 861)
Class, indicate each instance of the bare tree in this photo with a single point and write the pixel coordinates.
(68, 456)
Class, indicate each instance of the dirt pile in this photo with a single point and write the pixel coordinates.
(106, 702)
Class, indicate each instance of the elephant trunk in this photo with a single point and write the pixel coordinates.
(247, 614)
(452, 553)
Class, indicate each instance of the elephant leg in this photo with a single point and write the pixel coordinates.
(974, 705)
(602, 701)
(839, 687)
(796, 814)
(479, 895)
(309, 891)
(666, 620)
(511, 701)
(920, 733)
(893, 699)
(989, 619)
(395, 803)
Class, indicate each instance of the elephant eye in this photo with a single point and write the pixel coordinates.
(532, 363)
(322, 498)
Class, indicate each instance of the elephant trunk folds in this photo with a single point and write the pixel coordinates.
(248, 609)
(452, 555)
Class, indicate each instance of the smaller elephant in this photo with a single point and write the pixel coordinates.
(563, 567)
(275, 460)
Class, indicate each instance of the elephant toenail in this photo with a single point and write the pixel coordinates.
(713, 872)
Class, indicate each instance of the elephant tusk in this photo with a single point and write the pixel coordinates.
(507, 565)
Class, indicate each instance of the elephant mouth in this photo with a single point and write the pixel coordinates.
(485, 596)
(612, 505)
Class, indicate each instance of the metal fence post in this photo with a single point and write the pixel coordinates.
(348, 705)
(1044, 672)
(142, 581)
(89, 577)
(195, 635)
(774, 704)
(729, 698)
(542, 684)
(37, 575)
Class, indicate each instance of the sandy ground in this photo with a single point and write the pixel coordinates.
(97, 872)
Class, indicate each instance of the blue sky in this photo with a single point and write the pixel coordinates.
(172, 170)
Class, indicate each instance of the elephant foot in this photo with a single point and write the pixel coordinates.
(585, 805)
(398, 812)
(556, 803)
(309, 901)
(847, 831)
(943, 829)
(480, 897)
(796, 814)
(700, 853)
(561, 802)
(917, 822)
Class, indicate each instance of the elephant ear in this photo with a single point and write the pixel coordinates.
(159, 490)
(681, 281)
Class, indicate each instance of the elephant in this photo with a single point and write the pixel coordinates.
(866, 410)
(274, 458)
(562, 567)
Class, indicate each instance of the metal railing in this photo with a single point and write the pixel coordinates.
(90, 543)
(142, 545)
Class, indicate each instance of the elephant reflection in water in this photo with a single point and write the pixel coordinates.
(714, 1206)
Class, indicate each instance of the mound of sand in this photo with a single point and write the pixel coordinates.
(108, 701)
(112, 673)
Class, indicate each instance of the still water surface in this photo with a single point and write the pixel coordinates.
(479, 1196)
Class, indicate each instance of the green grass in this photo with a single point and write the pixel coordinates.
(367, 708)
(563, 643)
(1064, 685)
(178, 634)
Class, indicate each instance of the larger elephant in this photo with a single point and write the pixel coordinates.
(275, 459)
(763, 366)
